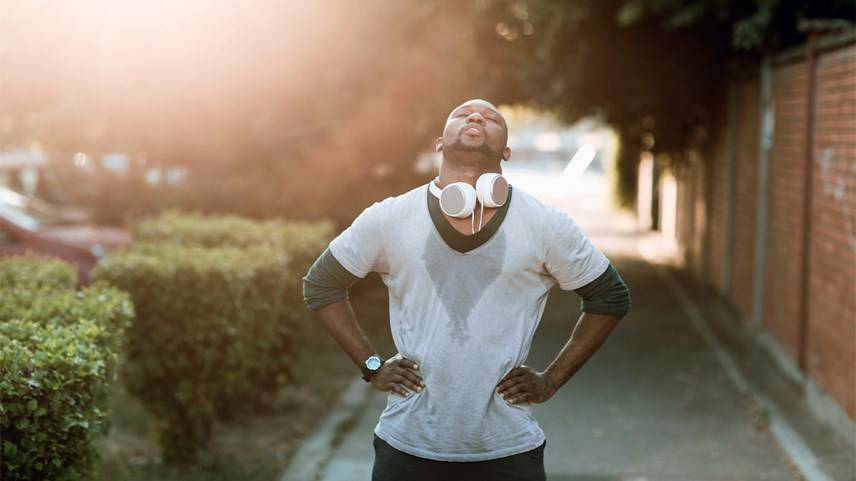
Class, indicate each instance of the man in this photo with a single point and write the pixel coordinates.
(464, 307)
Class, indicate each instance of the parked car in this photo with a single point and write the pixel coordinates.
(31, 226)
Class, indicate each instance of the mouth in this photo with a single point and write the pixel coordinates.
(472, 129)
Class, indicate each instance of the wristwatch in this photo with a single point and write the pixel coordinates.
(371, 366)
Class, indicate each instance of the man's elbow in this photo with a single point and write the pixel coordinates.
(612, 302)
(317, 295)
(309, 297)
(623, 302)
(326, 282)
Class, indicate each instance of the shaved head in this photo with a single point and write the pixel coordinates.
(480, 102)
(475, 129)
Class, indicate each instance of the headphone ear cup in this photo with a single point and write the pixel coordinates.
(458, 200)
(492, 189)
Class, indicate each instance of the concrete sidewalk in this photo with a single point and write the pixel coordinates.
(656, 402)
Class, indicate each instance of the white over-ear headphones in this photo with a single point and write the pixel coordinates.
(458, 199)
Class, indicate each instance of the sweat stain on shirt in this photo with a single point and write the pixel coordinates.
(467, 318)
(460, 280)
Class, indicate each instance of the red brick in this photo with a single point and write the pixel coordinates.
(832, 271)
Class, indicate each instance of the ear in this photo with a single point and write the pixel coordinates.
(506, 153)
(438, 144)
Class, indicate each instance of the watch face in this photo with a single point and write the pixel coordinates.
(373, 363)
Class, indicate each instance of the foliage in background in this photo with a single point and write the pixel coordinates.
(303, 241)
(219, 306)
(311, 109)
(25, 272)
(654, 70)
(58, 355)
(763, 24)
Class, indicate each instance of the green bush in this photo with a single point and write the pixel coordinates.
(35, 273)
(58, 352)
(193, 228)
(111, 308)
(303, 241)
(51, 379)
(212, 334)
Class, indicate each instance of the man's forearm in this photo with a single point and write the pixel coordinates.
(588, 335)
(341, 322)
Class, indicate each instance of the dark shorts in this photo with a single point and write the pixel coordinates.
(391, 464)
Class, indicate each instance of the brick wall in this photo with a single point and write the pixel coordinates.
(745, 185)
(691, 214)
(829, 343)
(684, 213)
(783, 277)
(832, 310)
(699, 220)
(718, 170)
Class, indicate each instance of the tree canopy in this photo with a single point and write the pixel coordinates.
(310, 109)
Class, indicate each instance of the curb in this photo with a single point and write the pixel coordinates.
(313, 454)
(796, 449)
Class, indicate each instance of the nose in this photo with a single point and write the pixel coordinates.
(476, 117)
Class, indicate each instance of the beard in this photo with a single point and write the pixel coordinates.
(484, 148)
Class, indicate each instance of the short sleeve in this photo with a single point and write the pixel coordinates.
(571, 257)
(359, 248)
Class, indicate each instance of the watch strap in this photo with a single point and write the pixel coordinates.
(368, 374)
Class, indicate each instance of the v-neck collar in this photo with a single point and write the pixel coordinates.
(456, 240)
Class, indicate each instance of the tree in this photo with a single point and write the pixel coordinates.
(316, 109)
(652, 69)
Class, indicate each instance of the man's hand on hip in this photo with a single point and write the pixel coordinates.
(398, 374)
(524, 384)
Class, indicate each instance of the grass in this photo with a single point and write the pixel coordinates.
(256, 447)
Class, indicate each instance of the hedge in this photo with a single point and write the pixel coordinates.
(35, 273)
(58, 352)
(212, 335)
(303, 241)
(111, 308)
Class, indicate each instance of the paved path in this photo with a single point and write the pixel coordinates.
(655, 402)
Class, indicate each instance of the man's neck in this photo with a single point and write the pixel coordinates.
(450, 173)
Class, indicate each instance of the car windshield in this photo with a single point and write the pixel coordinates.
(27, 212)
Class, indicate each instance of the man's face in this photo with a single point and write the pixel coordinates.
(476, 126)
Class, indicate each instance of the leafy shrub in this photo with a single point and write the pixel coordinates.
(303, 241)
(212, 334)
(52, 379)
(109, 307)
(193, 228)
(58, 351)
(35, 273)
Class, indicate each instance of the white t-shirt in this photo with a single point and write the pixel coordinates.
(467, 318)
